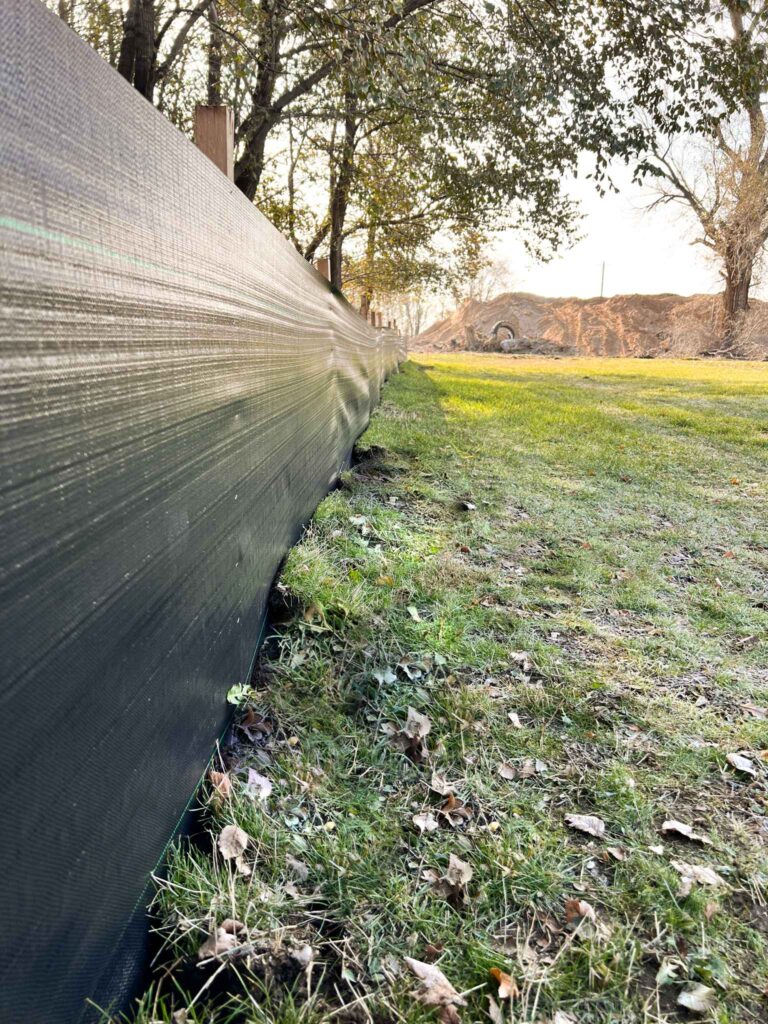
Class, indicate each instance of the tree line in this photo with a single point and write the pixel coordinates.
(395, 135)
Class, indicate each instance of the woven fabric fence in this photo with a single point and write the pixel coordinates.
(179, 390)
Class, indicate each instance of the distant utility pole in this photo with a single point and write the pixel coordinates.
(602, 280)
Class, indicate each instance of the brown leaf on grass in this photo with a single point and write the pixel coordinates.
(698, 998)
(522, 659)
(425, 822)
(256, 727)
(525, 770)
(711, 908)
(298, 867)
(433, 952)
(435, 990)
(218, 944)
(439, 784)
(577, 910)
(679, 828)
(221, 783)
(617, 852)
(453, 884)
(459, 872)
(411, 739)
(515, 719)
(742, 764)
(232, 925)
(507, 986)
(455, 811)
(303, 955)
(582, 917)
(755, 711)
(494, 1011)
(258, 787)
(233, 842)
(588, 823)
(690, 873)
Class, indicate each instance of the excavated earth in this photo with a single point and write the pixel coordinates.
(623, 325)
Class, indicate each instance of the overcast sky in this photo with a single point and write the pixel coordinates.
(644, 251)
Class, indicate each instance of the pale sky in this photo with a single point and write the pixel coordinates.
(644, 251)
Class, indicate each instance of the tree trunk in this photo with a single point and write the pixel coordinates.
(262, 119)
(137, 51)
(127, 58)
(735, 302)
(340, 190)
(214, 58)
(250, 166)
(144, 68)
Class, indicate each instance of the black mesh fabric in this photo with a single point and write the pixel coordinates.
(178, 391)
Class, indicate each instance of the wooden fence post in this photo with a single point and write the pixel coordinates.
(215, 136)
(323, 266)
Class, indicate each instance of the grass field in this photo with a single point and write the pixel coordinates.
(561, 569)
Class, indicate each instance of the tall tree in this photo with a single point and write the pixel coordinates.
(434, 116)
(719, 171)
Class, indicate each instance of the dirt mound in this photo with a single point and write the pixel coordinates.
(623, 325)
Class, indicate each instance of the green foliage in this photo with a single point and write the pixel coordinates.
(423, 121)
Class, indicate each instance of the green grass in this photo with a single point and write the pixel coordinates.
(610, 589)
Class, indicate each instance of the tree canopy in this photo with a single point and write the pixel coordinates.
(389, 133)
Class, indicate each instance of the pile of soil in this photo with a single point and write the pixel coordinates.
(623, 325)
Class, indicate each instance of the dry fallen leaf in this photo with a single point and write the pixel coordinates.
(561, 1017)
(439, 784)
(577, 910)
(507, 771)
(233, 842)
(435, 990)
(507, 986)
(455, 811)
(459, 872)
(232, 925)
(304, 955)
(679, 828)
(425, 822)
(698, 998)
(258, 787)
(494, 1011)
(218, 943)
(617, 852)
(742, 764)
(588, 823)
(298, 867)
(690, 873)
(755, 711)
(413, 611)
(452, 885)
(523, 659)
(515, 719)
(221, 783)
(411, 739)
(433, 951)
